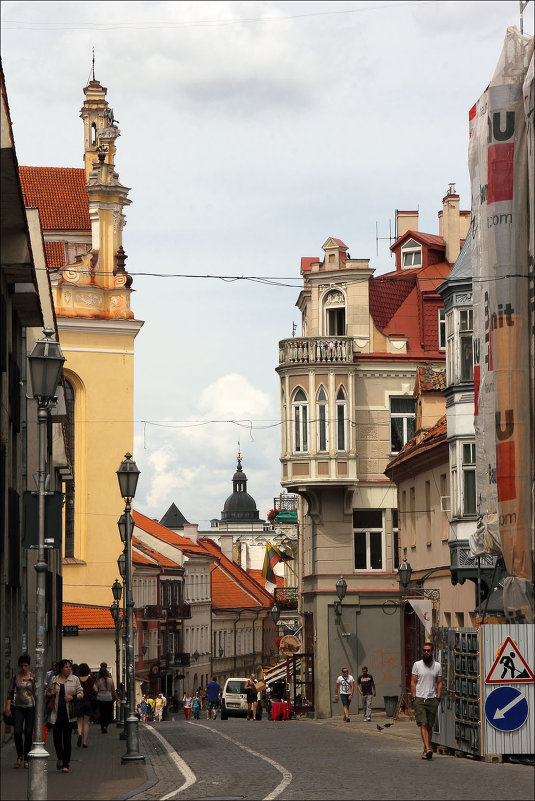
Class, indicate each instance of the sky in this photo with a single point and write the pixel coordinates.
(250, 133)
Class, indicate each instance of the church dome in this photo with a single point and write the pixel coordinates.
(239, 506)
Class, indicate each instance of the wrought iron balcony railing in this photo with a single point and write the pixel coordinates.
(179, 611)
(316, 350)
(154, 612)
(463, 565)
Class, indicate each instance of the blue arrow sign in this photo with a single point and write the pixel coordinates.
(506, 709)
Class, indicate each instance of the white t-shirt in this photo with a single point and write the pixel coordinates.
(344, 684)
(426, 685)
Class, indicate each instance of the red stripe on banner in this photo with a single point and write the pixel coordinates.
(505, 471)
(477, 379)
(500, 172)
(472, 112)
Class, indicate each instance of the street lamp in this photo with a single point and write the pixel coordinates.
(341, 589)
(404, 573)
(128, 475)
(275, 613)
(117, 591)
(45, 364)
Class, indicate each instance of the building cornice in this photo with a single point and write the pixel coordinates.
(116, 327)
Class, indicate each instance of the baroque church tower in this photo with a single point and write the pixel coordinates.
(82, 217)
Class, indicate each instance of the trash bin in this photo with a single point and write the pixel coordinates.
(391, 702)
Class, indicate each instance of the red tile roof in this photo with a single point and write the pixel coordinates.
(257, 575)
(243, 591)
(87, 617)
(307, 261)
(430, 380)
(339, 242)
(431, 240)
(423, 441)
(60, 194)
(386, 296)
(149, 555)
(55, 255)
(166, 535)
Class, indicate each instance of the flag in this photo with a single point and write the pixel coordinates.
(272, 557)
(424, 611)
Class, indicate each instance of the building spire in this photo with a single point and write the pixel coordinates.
(93, 63)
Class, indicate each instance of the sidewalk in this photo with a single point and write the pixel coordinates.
(403, 727)
(96, 772)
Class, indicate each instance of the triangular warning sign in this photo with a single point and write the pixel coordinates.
(510, 667)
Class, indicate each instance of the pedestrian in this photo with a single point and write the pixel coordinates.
(143, 708)
(64, 688)
(84, 709)
(213, 691)
(187, 701)
(21, 705)
(252, 696)
(150, 702)
(52, 672)
(197, 705)
(426, 689)
(345, 684)
(366, 687)
(158, 707)
(106, 695)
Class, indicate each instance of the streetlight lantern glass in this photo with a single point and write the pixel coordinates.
(275, 613)
(46, 363)
(128, 475)
(404, 573)
(117, 590)
(121, 524)
(114, 609)
(341, 587)
(121, 564)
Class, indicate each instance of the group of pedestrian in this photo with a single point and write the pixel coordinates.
(152, 707)
(345, 685)
(200, 699)
(72, 697)
(426, 692)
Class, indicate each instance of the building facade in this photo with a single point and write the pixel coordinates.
(348, 405)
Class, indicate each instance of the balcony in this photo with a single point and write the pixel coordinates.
(287, 598)
(464, 566)
(178, 611)
(154, 612)
(316, 350)
(286, 503)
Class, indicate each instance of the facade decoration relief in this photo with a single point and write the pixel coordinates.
(334, 298)
(88, 298)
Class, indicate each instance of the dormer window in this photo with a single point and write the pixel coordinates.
(335, 314)
(411, 255)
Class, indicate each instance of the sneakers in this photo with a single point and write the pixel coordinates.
(347, 720)
(367, 720)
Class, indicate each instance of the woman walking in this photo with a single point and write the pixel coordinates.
(21, 704)
(252, 696)
(105, 697)
(143, 708)
(64, 688)
(197, 705)
(186, 704)
(84, 709)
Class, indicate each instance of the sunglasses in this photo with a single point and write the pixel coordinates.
(428, 650)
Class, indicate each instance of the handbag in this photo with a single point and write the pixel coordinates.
(50, 703)
(8, 718)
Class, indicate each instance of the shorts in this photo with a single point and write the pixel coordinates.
(345, 699)
(425, 711)
(252, 698)
(85, 709)
(212, 704)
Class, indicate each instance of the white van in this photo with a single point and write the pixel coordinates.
(234, 699)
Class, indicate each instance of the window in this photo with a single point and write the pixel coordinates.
(463, 478)
(335, 314)
(395, 539)
(411, 255)
(368, 539)
(466, 325)
(428, 512)
(69, 485)
(300, 414)
(442, 329)
(402, 422)
(323, 429)
(341, 420)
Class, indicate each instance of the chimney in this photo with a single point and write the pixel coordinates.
(225, 541)
(191, 531)
(449, 224)
(406, 221)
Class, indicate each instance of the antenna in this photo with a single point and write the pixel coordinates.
(93, 63)
(390, 238)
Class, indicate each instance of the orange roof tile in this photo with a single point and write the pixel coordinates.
(149, 555)
(430, 379)
(60, 194)
(423, 441)
(257, 575)
(166, 535)
(55, 255)
(87, 617)
(252, 590)
(307, 261)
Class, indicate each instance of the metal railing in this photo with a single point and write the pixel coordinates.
(286, 597)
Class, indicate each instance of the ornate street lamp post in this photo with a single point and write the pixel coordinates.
(121, 564)
(46, 363)
(117, 591)
(128, 475)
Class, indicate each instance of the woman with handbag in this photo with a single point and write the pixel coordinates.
(84, 710)
(105, 697)
(64, 689)
(21, 706)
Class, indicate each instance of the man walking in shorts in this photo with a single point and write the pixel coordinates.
(426, 689)
(345, 684)
(213, 691)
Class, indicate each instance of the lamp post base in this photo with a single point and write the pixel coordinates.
(38, 772)
(132, 744)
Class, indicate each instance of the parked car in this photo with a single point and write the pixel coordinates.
(234, 699)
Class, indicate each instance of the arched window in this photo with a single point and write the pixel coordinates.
(334, 304)
(322, 418)
(341, 420)
(300, 415)
(93, 134)
(69, 485)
